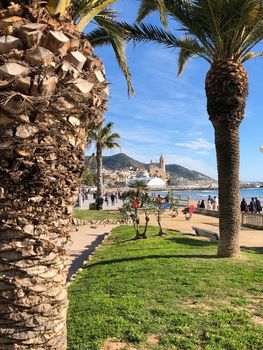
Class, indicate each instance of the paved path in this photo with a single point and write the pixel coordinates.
(86, 203)
(84, 242)
(248, 236)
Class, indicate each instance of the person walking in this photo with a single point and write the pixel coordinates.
(258, 206)
(215, 203)
(252, 205)
(112, 197)
(209, 203)
(106, 198)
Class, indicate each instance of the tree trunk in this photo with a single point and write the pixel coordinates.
(50, 94)
(226, 90)
(99, 171)
(227, 150)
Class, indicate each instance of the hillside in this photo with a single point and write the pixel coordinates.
(176, 170)
(121, 161)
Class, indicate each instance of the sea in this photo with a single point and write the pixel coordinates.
(246, 193)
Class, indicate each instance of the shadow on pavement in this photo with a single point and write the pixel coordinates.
(83, 256)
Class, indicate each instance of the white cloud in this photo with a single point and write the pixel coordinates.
(199, 145)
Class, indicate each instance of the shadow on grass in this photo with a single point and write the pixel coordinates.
(138, 258)
(191, 242)
(258, 250)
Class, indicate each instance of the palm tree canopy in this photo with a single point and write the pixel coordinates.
(216, 30)
(103, 136)
(139, 185)
(109, 31)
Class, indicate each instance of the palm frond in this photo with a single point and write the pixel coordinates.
(189, 47)
(112, 32)
(149, 33)
(103, 136)
(92, 10)
(149, 6)
(224, 29)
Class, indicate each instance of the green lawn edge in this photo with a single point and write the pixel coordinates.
(96, 215)
(172, 287)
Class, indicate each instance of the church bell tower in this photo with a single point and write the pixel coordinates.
(162, 163)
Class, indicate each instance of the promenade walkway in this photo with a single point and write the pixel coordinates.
(84, 242)
(86, 203)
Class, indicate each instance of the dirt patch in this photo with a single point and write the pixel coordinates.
(153, 339)
(114, 344)
(257, 320)
(195, 304)
(111, 344)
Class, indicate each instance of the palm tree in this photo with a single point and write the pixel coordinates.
(104, 138)
(139, 186)
(223, 33)
(52, 89)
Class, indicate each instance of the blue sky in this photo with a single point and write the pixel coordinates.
(168, 114)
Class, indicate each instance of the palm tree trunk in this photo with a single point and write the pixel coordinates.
(226, 91)
(227, 150)
(44, 116)
(39, 185)
(99, 171)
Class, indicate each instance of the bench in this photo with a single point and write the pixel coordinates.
(205, 233)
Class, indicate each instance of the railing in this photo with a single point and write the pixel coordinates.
(252, 220)
(247, 219)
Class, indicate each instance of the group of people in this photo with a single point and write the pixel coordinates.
(111, 197)
(253, 207)
(212, 203)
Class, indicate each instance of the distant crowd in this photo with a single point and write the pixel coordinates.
(253, 207)
(108, 197)
(211, 204)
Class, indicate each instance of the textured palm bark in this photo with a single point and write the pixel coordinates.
(47, 103)
(226, 90)
(99, 171)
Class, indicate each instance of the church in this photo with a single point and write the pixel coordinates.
(158, 169)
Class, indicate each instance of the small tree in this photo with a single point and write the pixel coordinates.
(104, 138)
(158, 205)
(137, 203)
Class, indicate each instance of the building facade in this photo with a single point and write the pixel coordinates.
(158, 169)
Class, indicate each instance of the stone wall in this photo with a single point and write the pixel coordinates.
(207, 212)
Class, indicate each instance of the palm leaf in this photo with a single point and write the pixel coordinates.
(112, 32)
(95, 7)
(149, 6)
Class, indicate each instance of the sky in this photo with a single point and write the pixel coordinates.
(168, 114)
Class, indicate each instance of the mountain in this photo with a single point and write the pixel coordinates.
(176, 171)
(121, 161)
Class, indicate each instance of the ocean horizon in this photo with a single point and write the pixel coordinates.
(246, 193)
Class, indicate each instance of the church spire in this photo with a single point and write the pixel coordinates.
(162, 162)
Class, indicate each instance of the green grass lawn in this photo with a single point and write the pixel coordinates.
(168, 293)
(97, 215)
